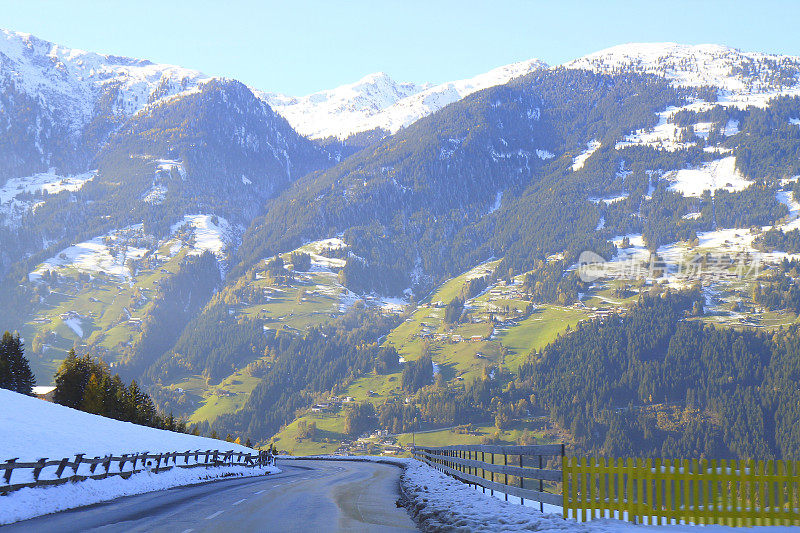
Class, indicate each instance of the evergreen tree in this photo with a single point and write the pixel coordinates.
(94, 396)
(15, 372)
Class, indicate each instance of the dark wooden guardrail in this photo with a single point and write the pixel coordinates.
(59, 471)
(532, 466)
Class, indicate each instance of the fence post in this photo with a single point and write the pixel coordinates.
(505, 463)
(61, 466)
(78, 461)
(38, 468)
(491, 491)
(521, 482)
(483, 470)
(541, 485)
(9, 469)
(629, 498)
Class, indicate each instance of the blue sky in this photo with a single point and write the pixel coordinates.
(300, 47)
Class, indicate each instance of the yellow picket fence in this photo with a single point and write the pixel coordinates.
(734, 493)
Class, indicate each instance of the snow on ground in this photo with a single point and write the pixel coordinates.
(696, 65)
(75, 325)
(666, 135)
(636, 249)
(168, 165)
(11, 207)
(32, 502)
(600, 224)
(729, 238)
(31, 428)
(496, 205)
(110, 253)
(155, 195)
(731, 128)
(322, 263)
(580, 159)
(663, 135)
(608, 199)
(484, 269)
(544, 155)
(100, 254)
(334, 243)
(719, 174)
(793, 218)
(211, 233)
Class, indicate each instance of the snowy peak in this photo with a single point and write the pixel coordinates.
(71, 81)
(697, 65)
(326, 113)
(378, 101)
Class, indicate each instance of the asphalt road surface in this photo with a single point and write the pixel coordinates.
(313, 496)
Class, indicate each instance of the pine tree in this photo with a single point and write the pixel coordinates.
(94, 396)
(71, 380)
(15, 372)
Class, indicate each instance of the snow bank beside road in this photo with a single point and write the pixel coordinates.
(29, 503)
(31, 429)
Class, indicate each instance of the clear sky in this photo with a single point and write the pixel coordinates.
(300, 47)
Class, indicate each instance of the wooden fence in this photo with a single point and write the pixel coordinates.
(46, 472)
(528, 468)
(734, 493)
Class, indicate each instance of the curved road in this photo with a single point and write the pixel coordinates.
(316, 496)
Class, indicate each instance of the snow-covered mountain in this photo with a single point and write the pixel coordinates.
(58, 105)
(377, 101)
(72, 81)
(731, 70)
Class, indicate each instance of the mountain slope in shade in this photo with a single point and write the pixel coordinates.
(378, 102)
(715, 65)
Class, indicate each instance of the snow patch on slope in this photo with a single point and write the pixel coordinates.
(101, 254)
(719, 174)
(580, 160)
(211, 233)
(12, 208)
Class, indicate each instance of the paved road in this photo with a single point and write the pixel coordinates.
(315, 496)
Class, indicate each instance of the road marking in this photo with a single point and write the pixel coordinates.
(187, 530)
(259, 492)
(240, 501)
(214, 515)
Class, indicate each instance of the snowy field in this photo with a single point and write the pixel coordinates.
(101, 254)
(12, 208)
(211, 233)
(110, 253)
(31, 429)
(719, 174)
